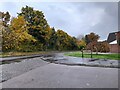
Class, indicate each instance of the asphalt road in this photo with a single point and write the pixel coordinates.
(62, 76)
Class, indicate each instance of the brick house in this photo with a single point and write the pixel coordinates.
(114, 42)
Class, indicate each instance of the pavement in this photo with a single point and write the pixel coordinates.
(17, 68)
(37, 73)
(18, 57)
(63, 76)
(60, 58)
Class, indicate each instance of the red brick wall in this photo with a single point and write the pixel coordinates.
(114, 48)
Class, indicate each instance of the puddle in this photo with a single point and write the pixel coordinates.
(93, 60)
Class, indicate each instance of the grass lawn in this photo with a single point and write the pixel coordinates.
(97, 56)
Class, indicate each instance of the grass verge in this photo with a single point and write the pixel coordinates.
(97, 56)
(11, 54)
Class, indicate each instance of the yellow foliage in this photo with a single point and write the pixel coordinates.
(81, 43)
(18, 27)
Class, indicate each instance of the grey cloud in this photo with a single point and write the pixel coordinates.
(108, 20)
(77, 18)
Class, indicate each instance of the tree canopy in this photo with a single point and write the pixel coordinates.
(30, 31)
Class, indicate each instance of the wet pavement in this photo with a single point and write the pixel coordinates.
(64, 76)
(60, 58)
(16, 68)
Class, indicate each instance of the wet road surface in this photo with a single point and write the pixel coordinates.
(60, 58)
(62, 76)
(37, 73)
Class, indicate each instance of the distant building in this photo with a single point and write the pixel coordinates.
(114, 42)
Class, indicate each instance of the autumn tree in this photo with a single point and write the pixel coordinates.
(81, 44)
(61, 40)
(30, 31)
(91, 37)
(53, 38)
(73, 43)
(91, 40)
(65, 41)
(4, 29)
(103, 46)
(36, 22)
(20, 31)
(4, 18)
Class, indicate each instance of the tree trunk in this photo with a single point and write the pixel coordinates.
(82, 54)
(96, 50)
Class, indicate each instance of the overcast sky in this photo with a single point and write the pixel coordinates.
(77, 18)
